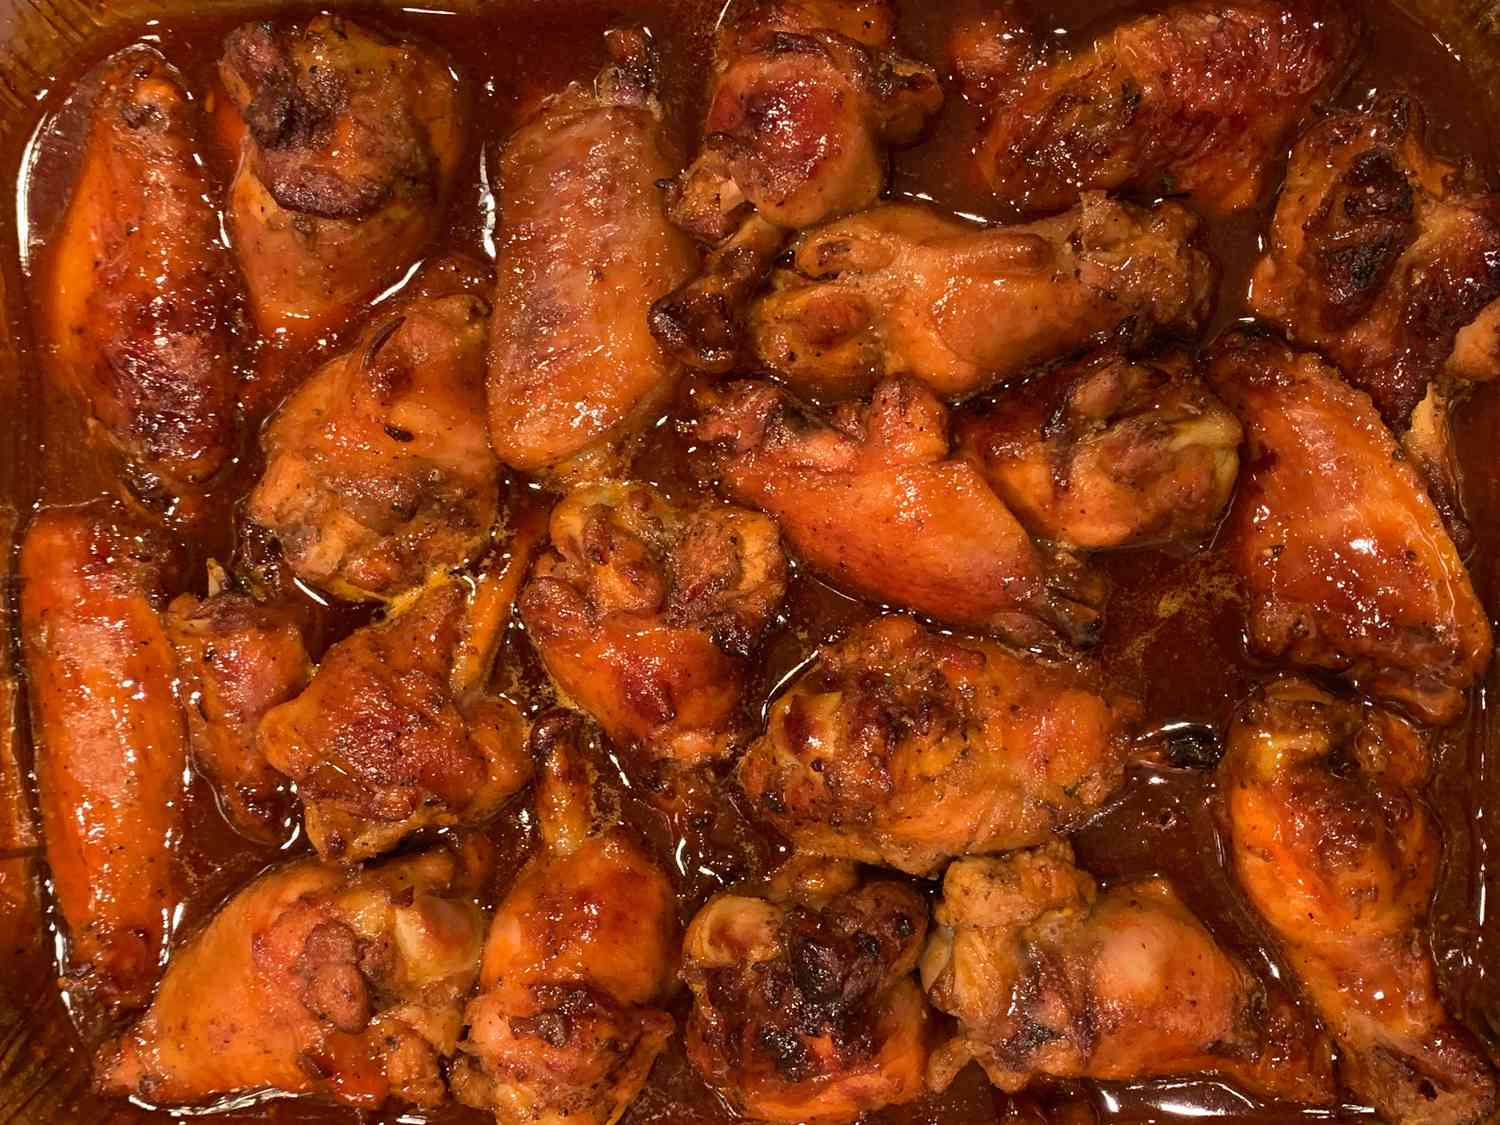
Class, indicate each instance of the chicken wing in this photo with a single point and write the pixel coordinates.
(1195, 100)
(1048, 976)
(584, 248)
(565, 1027)
(805, 1006)
(352, 140)
(314, 979)
(141, 299)
(1333, 846)
(645, 611)
(904, 289)
(1342, 556)
(872, 501)
(903, 747)
(1109, 452)
(111, 743)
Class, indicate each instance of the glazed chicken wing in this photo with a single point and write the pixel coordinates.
(1334, 848)
(1109, 452)
(111, 744)
(872, 501)
(1343, 558)
(1049, 976)
(805, 1005)
(1195, 99)
(645, 611)
(903, 747)
(582, 950)
(314, 979)
(351, 142)
(903, 289)
(141, 297)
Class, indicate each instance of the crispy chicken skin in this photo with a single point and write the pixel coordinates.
(1333, 846)
(378, 469)
(1050, 976)
(141, 297)
(1195, 99)
(584, 248)
(351, 142)
(1109, 452)
(904, 289)
(903, 747)
(805, 1005)
(1343, 558)
(111, 743)
(645, 611)
(872, 501)
(582, 950)
(314, 979)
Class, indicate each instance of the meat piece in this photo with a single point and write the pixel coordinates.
(584, 248)
(581, 953)
(805, 1006)
(1193, 100)
(140, 297)
(111, 743)
(352, 139)
(378, 469)
(1342, 556)
(872, 501)
(1333, 846)
(904, 747)
(1051, 977)
(645, 612)
(904, 289)
(1109, 452)
(314, 979)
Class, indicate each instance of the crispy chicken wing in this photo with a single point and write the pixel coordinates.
(1343, 557)
(141, 297)
(1049, 976)
(872, 501)
(645, 611)
(1109, 452)
(1195, 99)
(903, 747)
(903, 289)
(582, 950)
(314, 979)
(1334, 848)
(805, 1006)
(352, 139)
(111, 743)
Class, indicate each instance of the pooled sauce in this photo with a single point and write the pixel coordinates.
(1173, 634)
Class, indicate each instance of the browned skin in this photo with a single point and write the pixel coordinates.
(904, 289)
(1109, 452)
(805, 1007)
(584, 248)
(351, 143)
(581, 953)
(1050, 977)
(141, 298)
(314, 979)
(645, 613)
(1196, 99)
(379, 470)
(872, 501)
(1343, 558)
(1334, 847)
(902, 747)
(237, 659)
(111, 744)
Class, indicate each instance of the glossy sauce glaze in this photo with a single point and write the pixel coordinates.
(1173, 625)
